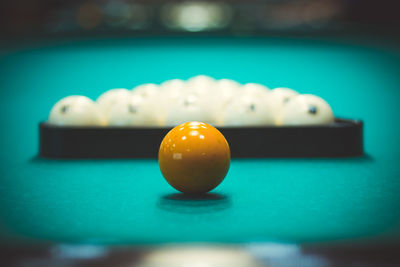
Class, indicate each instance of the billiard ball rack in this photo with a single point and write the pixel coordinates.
(343, 138)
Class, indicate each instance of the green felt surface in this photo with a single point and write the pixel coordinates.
(127, 201)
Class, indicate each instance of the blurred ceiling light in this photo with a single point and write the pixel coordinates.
(196, 16)
(199, 256)
(89, 15)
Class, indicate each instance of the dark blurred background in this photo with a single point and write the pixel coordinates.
(59, 18)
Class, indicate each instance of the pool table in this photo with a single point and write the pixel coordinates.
(127, 201)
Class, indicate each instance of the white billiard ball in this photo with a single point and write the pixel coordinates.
(189, 107)
(152, 93)
(225, 91)
(77, 111)
(306, 110)
(172, 89)
(133, 111)
(246, 110)
(111, 98)
(255, 88)
(278, 97)
(147, 90)
(202, 85)
(282, 95)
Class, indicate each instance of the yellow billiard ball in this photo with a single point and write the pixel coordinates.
(194, 157)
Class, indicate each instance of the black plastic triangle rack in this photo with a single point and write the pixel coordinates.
(343, 138)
